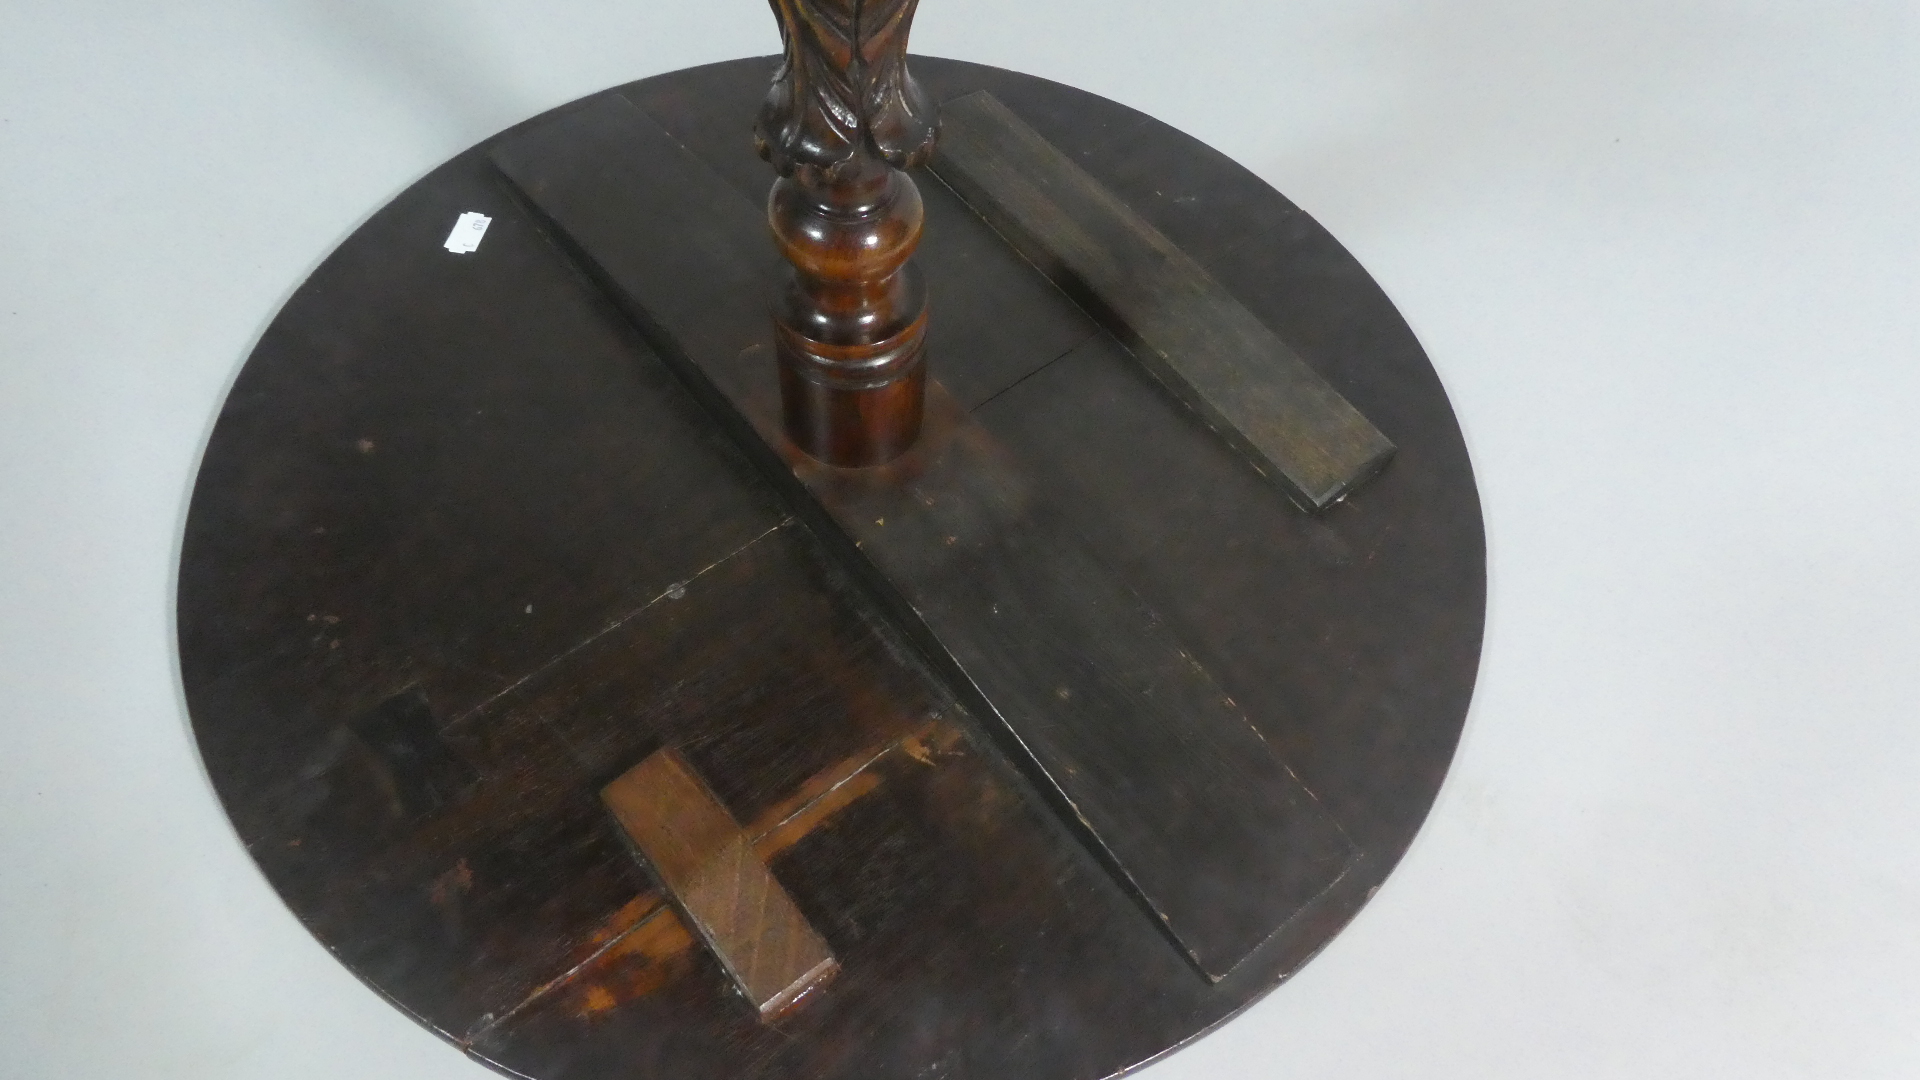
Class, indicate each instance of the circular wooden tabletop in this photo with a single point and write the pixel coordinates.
(463, 551)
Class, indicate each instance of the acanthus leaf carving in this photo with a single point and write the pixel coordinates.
(843, 91)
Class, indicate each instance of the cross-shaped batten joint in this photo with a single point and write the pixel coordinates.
(706, 864)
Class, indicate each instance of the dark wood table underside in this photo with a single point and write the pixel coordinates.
(463, 550)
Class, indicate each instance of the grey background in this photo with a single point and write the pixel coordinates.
(1663, 254)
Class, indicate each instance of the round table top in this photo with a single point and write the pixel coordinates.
(463, 550)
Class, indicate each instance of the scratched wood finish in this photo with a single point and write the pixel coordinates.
(706, 863)
(464, 550)
(1131, 738)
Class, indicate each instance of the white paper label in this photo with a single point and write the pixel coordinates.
(467, 233)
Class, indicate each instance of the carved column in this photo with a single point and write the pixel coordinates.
(841, 121)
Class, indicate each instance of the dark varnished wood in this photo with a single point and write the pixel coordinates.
(965, 262)
(425, 445)
(843, 95)
(850, 326)
(841, 122)
(1122, 729)
(1189, 332)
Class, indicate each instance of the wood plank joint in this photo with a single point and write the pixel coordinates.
(707, 867)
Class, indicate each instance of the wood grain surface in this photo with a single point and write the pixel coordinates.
(466, 548)
(1189, 332)
(713, 876)
(1130, 737)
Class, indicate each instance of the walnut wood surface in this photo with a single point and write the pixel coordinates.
(464, 550)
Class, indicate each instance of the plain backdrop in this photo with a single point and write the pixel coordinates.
(1665, 255)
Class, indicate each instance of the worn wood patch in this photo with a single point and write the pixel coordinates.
(1207, 348)
(713, 876)
(1121, 729)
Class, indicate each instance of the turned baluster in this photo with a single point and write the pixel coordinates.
(841, 122)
